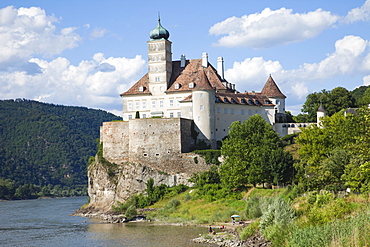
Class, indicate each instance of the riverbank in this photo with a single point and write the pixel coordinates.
(223, 235)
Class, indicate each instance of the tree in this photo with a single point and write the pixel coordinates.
(253, 154)
(326, 152)
(333, 101)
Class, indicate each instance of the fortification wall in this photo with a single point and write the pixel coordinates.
(115, 139)
(159, 143)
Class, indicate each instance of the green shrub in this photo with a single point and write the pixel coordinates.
(277, 218)
(187, 197)
(131, 212)
(249, 230)
(253, 209)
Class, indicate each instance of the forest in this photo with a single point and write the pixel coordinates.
(45, 148)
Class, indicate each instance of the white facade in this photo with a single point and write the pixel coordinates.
(194, 89)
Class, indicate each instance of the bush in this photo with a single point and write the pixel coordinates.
(131, 212)
(277, 218)
(249, 230)
(253, 209)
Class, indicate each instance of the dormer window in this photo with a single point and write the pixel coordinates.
(242, 101)
(141, 89)
(177, 86)
(250, 102)
(191, 85)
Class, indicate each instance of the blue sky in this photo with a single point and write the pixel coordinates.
(86, 53)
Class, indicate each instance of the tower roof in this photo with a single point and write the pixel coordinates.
(271, 89)
(159, 32)
(321, 108)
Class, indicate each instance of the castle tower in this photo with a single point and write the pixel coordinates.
(320, 114)
(204, 110)
(159, 60)
(272, 91)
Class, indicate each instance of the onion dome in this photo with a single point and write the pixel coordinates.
(159, 32)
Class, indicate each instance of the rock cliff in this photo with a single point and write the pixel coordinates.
(111, 183)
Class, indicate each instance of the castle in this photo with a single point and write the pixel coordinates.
(194, 90)
(172, 108)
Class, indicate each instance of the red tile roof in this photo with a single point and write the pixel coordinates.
(193, 72)
(271, 89)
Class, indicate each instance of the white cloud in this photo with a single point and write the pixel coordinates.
(94, 83)
(358, 14)
(347, 58)
(350, 57)
(28, 31)
(251, 70)
(272, 27)
(98, 33)
(366, 80)
(300, 90)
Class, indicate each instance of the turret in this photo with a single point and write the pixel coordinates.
(320, 114)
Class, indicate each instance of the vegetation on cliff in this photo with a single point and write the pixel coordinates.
(45, 147)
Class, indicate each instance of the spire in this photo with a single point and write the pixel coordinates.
(321, 108)
(271, 89)
(159, 32)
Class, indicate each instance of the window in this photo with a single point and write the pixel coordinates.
(153, 104)
(218, 109)
(137, 105)
(201, 107)
(141, 89)
(144, 115)
(225, 110)
(171, 114)
(250, 112)
(198, 118)
(178, 102)
(171, 102)
(161, 103)
(177, 86)
(129, 116)
(179, 114)
(129, 106)
(191, 85)
(256, 111)
(278, 102)
(144, 104)
(242, 112)
(201, 96)
(232, 111)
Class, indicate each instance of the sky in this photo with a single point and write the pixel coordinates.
(87, 52)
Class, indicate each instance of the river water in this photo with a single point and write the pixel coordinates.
(46, 222)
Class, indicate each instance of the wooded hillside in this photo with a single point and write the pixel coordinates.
(46, 145)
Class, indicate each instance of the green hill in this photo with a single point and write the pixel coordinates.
(45, 148)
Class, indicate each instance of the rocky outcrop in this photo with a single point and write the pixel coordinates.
(109, 184)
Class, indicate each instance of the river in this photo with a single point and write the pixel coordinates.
(46, 222)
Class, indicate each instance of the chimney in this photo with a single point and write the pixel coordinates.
(204, 60)
(220, 67)
(183, 60)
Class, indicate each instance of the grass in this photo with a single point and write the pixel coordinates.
(321, 218)
(198, 211)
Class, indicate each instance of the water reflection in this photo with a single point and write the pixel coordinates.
(144, 234)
